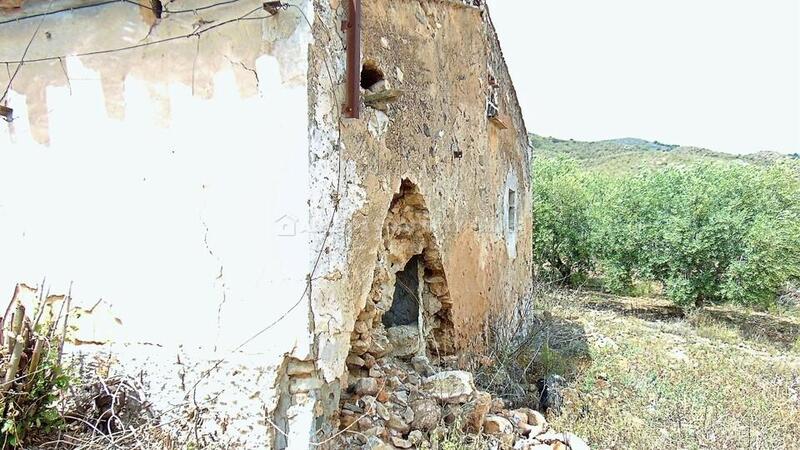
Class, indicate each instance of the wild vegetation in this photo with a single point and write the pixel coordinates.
(705, 227)
(34, 377)
(651, 377)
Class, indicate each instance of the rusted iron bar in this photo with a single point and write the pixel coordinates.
(352, 29)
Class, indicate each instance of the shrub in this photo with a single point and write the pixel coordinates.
(562, 245)
(708, 232)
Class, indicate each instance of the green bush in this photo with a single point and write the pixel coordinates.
(562, 246)
(709, 232)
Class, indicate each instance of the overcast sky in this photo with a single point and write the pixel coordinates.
(720, 74)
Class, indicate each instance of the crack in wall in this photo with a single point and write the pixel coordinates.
(219, 278)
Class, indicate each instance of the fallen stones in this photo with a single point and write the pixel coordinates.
(454, 386)
(413, 404)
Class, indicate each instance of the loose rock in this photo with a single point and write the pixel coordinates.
(366, 386)
(455, 386)
(427, 414)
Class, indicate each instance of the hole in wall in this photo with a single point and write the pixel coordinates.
(370, 74)
(405, 301)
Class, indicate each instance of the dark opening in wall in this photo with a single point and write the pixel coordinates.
(405, 304)
(370, 74)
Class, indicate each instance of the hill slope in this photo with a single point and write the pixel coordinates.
(631, 154)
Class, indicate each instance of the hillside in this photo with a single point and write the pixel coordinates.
(631, 154)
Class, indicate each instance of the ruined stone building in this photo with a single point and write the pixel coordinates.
(246, 195)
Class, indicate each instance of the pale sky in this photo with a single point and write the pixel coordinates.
(719, 74)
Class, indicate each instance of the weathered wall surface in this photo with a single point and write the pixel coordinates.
(436, 135)
(170, 184)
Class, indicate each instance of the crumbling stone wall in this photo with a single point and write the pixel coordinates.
(436, 135)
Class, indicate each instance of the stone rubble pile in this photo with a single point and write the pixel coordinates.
(393, 404)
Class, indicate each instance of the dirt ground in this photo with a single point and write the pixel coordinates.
(652, 377)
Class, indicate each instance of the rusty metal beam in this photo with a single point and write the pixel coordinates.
(352, 29)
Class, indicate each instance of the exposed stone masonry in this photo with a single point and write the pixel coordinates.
(406, 233)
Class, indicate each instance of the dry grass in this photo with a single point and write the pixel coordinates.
(679, 383)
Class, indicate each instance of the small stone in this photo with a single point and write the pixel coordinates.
(376, 372)
(300, 385)
(536, 418)
(361, 327)
(500, 428)
(427, 414)
(496, 425)
(297, 367)
(531, 430)
(454, 386)
(404, 340)
(416, 437)
(360, 346)
(558, 445)
(366, 386)
(355, 360)
(435, 279)
(400, 443)
(383, 413)
(384, 43)
(400, 397)
(369, 361)
(530, 444)
(365, 423)
(394, 381)
(383, 396)
(408, 414)
(397, 423)
(422, 365)
(373, 443)
(380, 345)
(439, 289)
(353, 408)
(399, 74)
(432, 306)
(574, 442)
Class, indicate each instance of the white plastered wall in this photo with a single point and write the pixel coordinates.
(183, 212)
